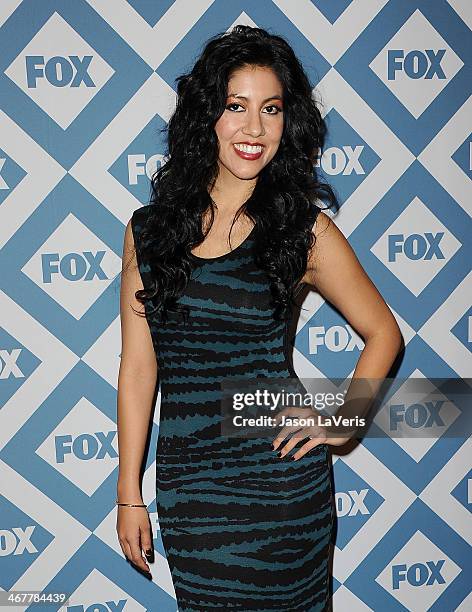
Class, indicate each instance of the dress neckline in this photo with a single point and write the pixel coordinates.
(224, 254)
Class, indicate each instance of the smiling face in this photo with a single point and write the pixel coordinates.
(251, 126)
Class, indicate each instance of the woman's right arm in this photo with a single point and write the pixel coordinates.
(137, 380)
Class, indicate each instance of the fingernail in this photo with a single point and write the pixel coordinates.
(148, 552)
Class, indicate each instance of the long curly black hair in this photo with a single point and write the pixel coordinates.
(283, 201)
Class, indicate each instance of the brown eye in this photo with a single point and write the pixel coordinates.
(278, 109)
(232, 104)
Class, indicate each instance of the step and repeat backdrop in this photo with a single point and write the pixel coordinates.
(86, 88)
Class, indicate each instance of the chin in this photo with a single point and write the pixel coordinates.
(246, 176)
(244, 173)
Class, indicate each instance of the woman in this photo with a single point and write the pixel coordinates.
(242, 528)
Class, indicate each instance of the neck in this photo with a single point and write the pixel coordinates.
(229, 192)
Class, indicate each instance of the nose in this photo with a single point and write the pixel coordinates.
(254, 125)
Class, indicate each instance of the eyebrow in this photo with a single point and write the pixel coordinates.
(231, 95)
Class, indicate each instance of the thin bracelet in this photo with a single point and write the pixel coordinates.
(131, 505)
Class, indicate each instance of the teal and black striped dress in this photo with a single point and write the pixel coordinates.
(242, 528)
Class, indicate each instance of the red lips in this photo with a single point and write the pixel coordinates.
(249, 156)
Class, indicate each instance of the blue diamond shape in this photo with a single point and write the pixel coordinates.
(328, 343)
(354, 68)
(23, 540)
(11, 175)
(347, 158)
(332, 9)
(417, 517)
(356, 502)
(67, 197)
(151, 11)
(463, 156)
(416, 182)
(462, 491)
(220, 16)
(462, 330)
(17, 363)
(20, 452)
(135, 166)
(96, 555)
(131, 71)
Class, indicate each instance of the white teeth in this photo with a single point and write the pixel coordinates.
(248, 148)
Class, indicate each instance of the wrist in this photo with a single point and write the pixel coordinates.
(128, 493)
(128, 500)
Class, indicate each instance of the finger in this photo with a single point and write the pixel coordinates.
(137, 557)
(299, 435)
(126, 549)
(283, 434)
(288, 447)
(286, 429)
(146, 544)
(306, 447)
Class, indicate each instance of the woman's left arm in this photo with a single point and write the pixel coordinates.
(335, 272)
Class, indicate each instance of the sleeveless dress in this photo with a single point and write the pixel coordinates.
(242, 528)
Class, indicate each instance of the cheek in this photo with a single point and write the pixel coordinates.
(278, 130)
(226, 126)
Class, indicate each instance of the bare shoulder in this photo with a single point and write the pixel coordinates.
(335, 271)
(331, 255)
(327, 236)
